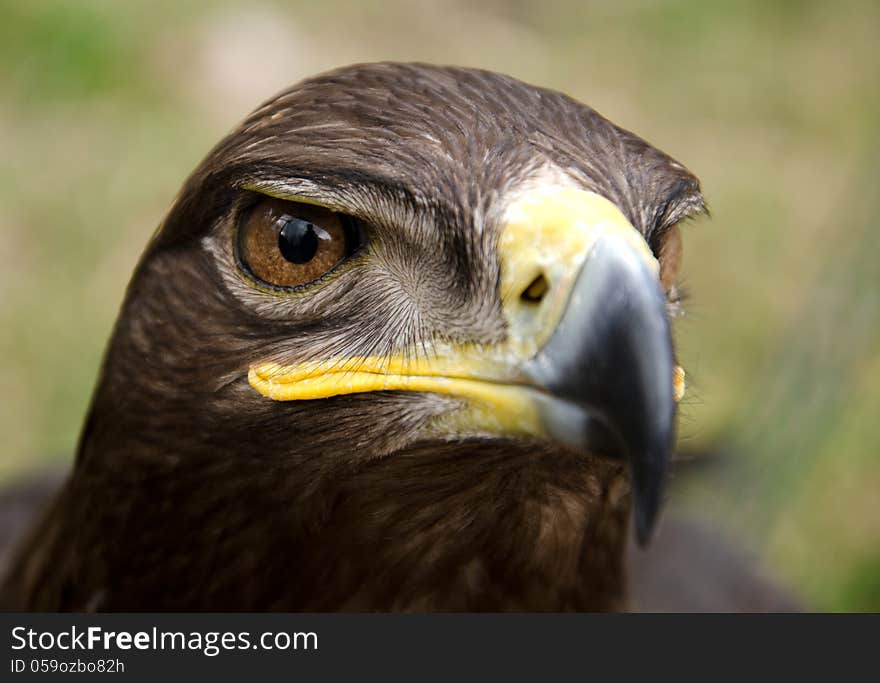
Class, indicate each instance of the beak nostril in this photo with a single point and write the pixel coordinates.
(536, 290)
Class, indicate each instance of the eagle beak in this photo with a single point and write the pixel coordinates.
(611, 355)
(604, 355)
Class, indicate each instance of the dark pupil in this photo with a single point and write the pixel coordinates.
(298, 241)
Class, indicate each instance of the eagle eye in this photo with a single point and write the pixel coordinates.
(284, 245)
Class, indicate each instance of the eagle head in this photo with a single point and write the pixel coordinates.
(402, 342)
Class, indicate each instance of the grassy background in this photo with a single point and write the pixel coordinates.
(106, 106)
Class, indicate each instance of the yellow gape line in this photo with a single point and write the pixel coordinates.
(350, 376)
(493, 406)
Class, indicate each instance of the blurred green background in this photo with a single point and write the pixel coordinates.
(105, 107)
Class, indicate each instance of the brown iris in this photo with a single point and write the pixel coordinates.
(286, 244)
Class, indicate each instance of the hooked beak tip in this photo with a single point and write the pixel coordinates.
(611, 355)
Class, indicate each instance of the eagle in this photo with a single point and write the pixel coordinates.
(402, 343)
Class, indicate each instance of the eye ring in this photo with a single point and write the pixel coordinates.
(287, 246)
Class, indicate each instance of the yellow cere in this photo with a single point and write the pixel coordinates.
(550, 231)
